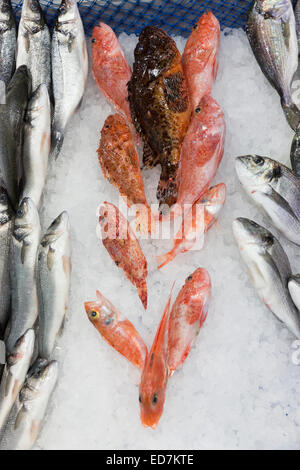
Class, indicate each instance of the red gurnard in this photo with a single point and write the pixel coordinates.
(119, 161)
(110, 68)
(117, 331)
(200, 57)
(154, 378)
(188, 314)
(202, 151)
(196, 222)
(123, 247)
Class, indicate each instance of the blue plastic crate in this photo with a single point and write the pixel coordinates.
(131, 16)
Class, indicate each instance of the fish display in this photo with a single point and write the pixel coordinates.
(11, 131)
(271, 31)
(196, 222)
(159, 105)
(188, 314)
(26, 418)
(118, 331)
(202, 152)
(154, 379)
(269, 270)
(8, 41)
(200, 57)
(123, 247)
(34, 44)
(110, 68)
(36, 145)
(119, 161)
(6, 227)
(53, 278)
(275, 189)
(24, 245)
(69, 69)
(294, 289)
(14, 374)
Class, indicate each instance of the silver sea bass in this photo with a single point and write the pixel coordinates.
(11, 131)
(271, 31)
(7, 42)
(54, 268)
(276, 191)
(36, 145)
(26, 418)
(14, 375)
(34, 44)
(6, 227)
(294, 289)
(269, 270)
(69, 69)
(25, 241)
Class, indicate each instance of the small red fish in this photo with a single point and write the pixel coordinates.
(123, 247)
(155, 375)
(119, 161)
(117, 331)
(188, 314)
(200, 57)
(195, 223)
(110, 68)
(202, 152)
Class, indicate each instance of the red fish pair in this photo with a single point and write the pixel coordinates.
(175, 336)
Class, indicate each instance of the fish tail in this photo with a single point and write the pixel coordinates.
(292, 114)
(162, 260)
(142, 291)
(57, 140)
(295, 152)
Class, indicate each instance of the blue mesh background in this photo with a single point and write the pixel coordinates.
(131, 16)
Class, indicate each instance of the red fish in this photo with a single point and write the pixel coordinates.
(195, 223)
(202, 152)
(200, 57)
(110, 68)
(188, 314)
(117, 331)
(155, 375)
(123, 247)
(119, 161)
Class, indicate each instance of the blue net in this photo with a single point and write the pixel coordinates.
(131, 16)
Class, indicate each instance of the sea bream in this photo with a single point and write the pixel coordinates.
(275, 189)
(53, 278)
(24, 245)
(14, 375)
(159, 105)
(117, 330)
(269, 270)
(271, 31)
(36, 145)
(27, 415)
(6, 227)
(34, 44)
(69, 69)
(8, 41)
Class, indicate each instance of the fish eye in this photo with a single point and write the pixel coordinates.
(190, 278)
(20, 212)
(258, 161)
(268, 239)
(93, 40)
(140, 398)
(198, 109)
(154, 399)
(94, 315)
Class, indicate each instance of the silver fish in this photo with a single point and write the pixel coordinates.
(7, 41)
(11, 131)
(271, 31)
(25, 241)
(36, 145)
(269, 270)
(294, 289)
(54, 268)
(14, 375)
(26, 418)
(295, 153)
(6, 226)
(297, 17)
(275, 190)
(69, 69)
(34, 44)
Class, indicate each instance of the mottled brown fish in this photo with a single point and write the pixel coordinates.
(159, 105)
(119, 161)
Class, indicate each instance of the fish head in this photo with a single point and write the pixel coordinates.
(26, 220)
(41, 378)
(101, 312)
(214, 199)
(198, 284)
(104, 39)
(32, 12)
(208, 115)
(276, 9)
(67, 16)
(256, 172)
(151, 399)
(5, 209)
(59, 228)
(24, 346)
(205, 31)
(6, 15)
(249, 234)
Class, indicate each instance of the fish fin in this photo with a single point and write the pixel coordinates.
(57, 140)
(9, 379)
(23, 253)
(20, 416)
(167, 187)
(50, 258)
(142, 291)
(162, 260)
(295, 153)
(292, 114)
(274, 196)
